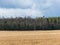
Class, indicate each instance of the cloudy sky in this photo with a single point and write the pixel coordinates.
(33, 8)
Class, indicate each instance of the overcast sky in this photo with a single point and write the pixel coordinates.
(33, 8)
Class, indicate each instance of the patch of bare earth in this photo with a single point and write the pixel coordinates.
(30, 37)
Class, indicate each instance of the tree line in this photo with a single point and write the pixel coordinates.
(28, 23)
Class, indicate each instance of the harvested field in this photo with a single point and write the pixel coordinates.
(30, 37)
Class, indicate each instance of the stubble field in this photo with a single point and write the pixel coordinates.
(30, 37)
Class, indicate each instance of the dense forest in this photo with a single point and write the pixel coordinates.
(28, 23)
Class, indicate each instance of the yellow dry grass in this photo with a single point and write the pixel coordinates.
(30, 38)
